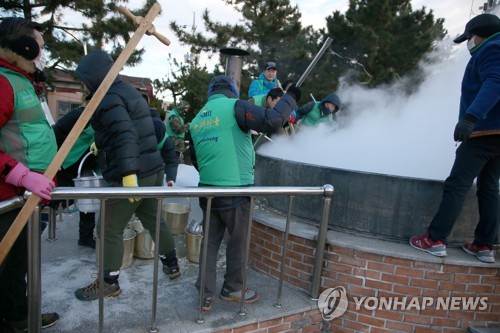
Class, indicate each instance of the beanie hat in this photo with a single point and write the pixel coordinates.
(222, 84)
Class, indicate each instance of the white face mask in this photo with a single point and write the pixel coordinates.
(41, 61)
(471, 43)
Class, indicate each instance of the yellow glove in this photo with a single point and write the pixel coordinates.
(93, 148)
(131, 181)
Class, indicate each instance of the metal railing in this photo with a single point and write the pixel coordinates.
(160, 193)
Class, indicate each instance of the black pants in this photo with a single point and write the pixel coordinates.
(13, 271)
(478, 157)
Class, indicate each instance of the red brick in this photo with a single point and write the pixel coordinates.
(356, 326)
(406, 290)
(417, 319)
(350, 279)
(293, 317)
(272, 322)
(395, 279)
(391, 315)
(299, 240)
(461, 315)
(399, 327)
(302, 248)
(246, 328)
(438, 276)
(379, 330)
(450, 286)
(344, 259)
(361, 291)
(378, 285)
(426, 329)
(444, 322)
(313, 328)
(398, 261)
(340, 268)
(370, 320)
(491, 317)
(410, 272)
(456, 269)
(467, 278)
(479, 288)
(495, 280)
(374, 275)
(377, 266)
(369, 256)
(485, 271)
(453, 330)
(428, 266)
(422, 283)
(279, 328)
(343, 251)
(271, 263)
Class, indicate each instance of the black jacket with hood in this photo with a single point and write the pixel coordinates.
(124, 132)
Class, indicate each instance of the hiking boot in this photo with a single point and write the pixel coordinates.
(87, 242)
(235, 296)
(425, 243)
(91, 291)
(482, 253)
(207, 303)
(48, 320)
(171, 268)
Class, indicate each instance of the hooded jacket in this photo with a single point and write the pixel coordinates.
(314, 113)
(481, 87)
(124, 132)
(262, 86)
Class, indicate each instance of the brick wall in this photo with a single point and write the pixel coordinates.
(365, 274)
(303, 322)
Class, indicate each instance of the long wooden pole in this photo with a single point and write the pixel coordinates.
(23, 216)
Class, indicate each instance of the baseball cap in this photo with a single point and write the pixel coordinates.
(483, 25)
(269, 65)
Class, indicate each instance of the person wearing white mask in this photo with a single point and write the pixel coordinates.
(27, 147)
(478, 156)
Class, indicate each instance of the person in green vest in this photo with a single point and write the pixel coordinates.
(314, 113)
(176, 128)
(27, 147)
(268, 100)
(69, 168)
(222, 152)
(166, 148)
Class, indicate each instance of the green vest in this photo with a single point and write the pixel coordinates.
(260, 100)
(313, 118)
(81, 146)
(224, 152)
(169, 130)
(27, 136)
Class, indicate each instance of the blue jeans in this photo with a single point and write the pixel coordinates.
(478, 157)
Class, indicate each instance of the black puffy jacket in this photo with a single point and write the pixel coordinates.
(124, 132)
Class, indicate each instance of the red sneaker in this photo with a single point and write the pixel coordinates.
(425, 243)
(482, 253)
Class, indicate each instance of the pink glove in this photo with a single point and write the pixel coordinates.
(21, 176)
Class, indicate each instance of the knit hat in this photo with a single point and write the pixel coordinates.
(483, 25)
(222, 84)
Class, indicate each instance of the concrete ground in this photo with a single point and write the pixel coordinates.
(67, 266)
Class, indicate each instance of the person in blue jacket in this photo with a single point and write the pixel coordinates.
(478, 156)
(267, 80)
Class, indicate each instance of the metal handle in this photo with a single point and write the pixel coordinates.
(314, 61)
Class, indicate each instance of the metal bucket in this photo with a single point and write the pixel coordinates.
(88, 205)
(144, 245)
(176, 216)
(193, 246)
(128, 248)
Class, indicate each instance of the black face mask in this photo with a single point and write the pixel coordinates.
(39, 76)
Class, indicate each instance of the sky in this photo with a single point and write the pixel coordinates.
(155, 65)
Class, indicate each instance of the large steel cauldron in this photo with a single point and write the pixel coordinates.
(383, 206)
